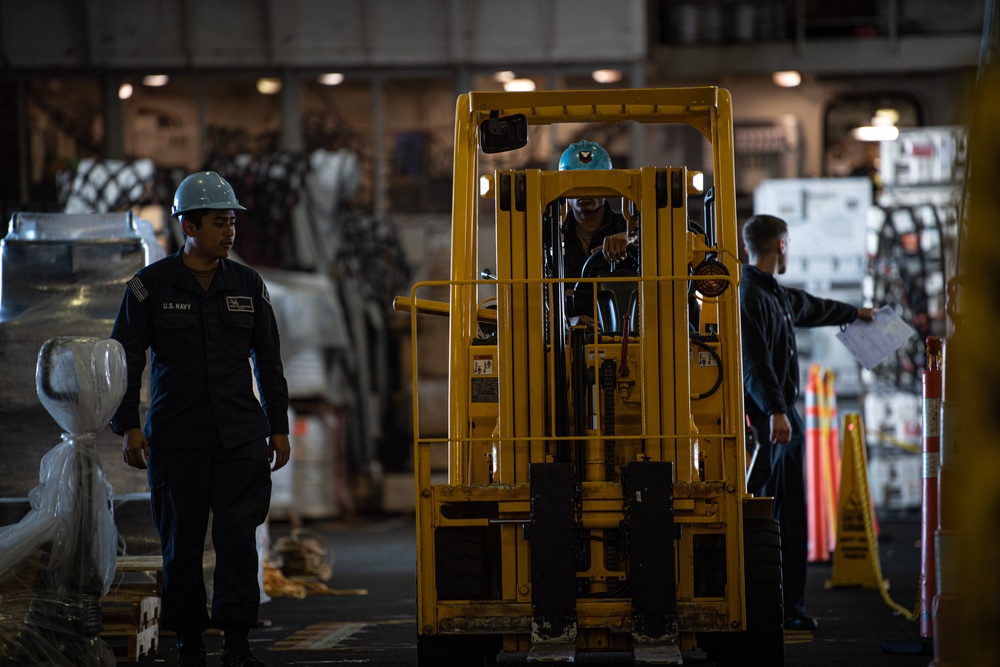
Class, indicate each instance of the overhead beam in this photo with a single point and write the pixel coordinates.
(828, 56)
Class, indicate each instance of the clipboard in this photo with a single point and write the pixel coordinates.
(873, 342)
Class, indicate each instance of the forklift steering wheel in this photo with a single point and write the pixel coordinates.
(597, 266)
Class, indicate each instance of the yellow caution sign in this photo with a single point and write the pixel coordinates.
(855, 557)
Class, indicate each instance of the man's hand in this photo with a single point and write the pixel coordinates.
(615, 246)
(577, 320)
(135, 448)
(781, 428)
(279, 450)
(866, 314)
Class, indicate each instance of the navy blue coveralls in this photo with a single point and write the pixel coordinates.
(769, 313)
(574, 256)
(207, 432)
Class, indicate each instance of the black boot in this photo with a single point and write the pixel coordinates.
(190, 650)
(236, 649)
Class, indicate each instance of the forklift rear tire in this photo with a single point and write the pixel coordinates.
(762, 644)
(471, 650)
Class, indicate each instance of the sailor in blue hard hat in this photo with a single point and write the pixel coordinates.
(591, 225)
(208, 442)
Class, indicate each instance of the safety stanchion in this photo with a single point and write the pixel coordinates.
(819, 549)
(931, 445)
(822, 462)
(946, 613)
(831, 456)
(931, 422)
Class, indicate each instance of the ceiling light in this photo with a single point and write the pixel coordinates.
(504, 77)
(155, 80)
(519, 85)
(607, 75)
(125, 91)
(268, 85)
(485, 185)
(885, 117)
(331, 79)
(786, 79)
(876, 133)
(697, 181)
(882, 128)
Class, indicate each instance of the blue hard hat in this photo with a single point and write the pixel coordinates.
(205, 189)
(584, 155)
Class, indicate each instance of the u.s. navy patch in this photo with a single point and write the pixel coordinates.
(138, 290)
(239, 304)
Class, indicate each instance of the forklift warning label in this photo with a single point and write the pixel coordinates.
(482, 364)
(485, 386)
(485, 390)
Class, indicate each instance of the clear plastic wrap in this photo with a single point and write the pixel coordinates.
(59, 560)
(60, 274)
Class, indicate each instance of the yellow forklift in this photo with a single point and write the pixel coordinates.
(595, 509)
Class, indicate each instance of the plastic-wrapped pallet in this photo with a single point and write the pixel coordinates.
(59, 273)
(59, 560)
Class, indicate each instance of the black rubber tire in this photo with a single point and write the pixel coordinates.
(460, 562)
(762, 644)
(471, 650)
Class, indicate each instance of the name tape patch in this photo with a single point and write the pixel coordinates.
(239, 304)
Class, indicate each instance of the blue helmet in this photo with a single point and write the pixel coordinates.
(584, 155)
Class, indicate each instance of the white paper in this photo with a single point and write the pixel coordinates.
(873, 342)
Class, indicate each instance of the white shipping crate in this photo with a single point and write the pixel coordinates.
(924, 156)
(827, 227)
(894, 477)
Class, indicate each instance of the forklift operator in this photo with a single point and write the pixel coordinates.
(590, 225)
